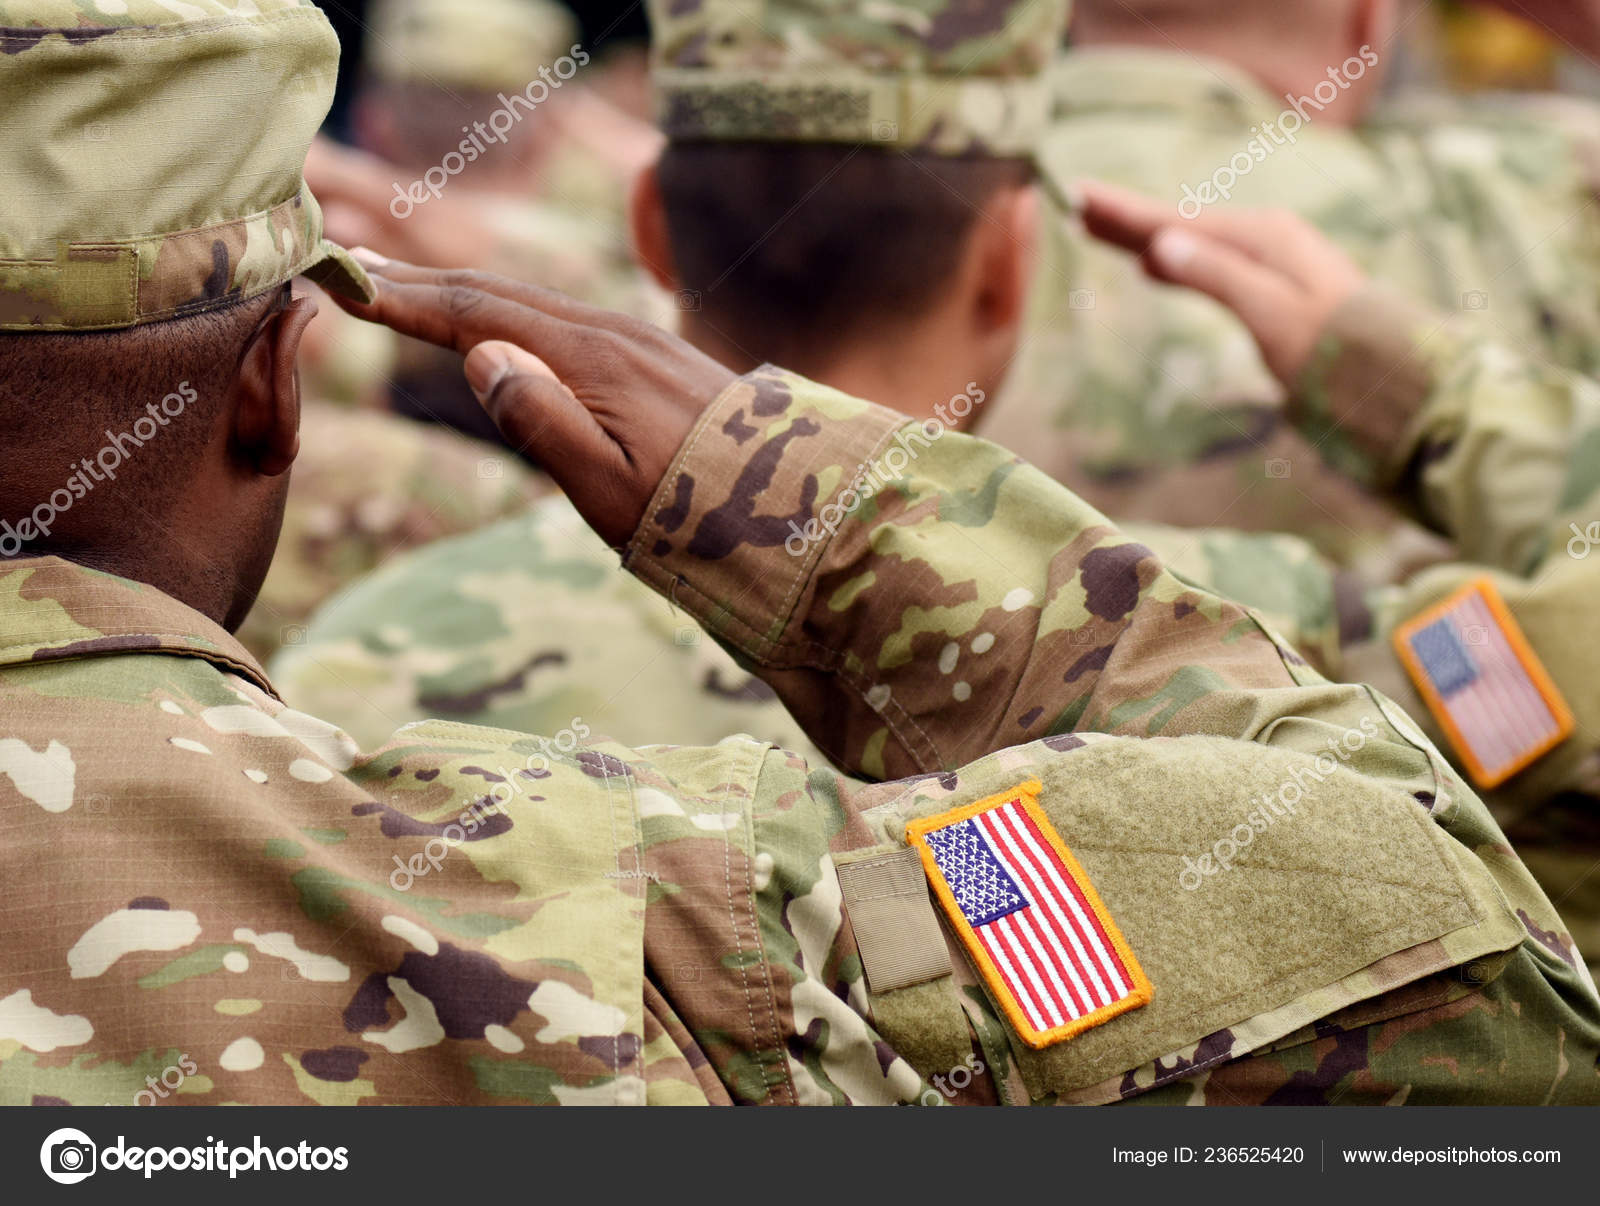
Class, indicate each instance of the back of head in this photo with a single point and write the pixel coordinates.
(155, 212)
(795, 250)
(827, 162)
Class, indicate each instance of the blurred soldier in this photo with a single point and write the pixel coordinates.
(901, 277)
(477, 915)
(1495, 449)
(1155, 404)
(368, 486)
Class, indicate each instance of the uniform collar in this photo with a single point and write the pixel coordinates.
(55, 610)
(1122, 79)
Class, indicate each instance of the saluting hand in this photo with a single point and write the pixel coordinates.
(599, 400)
(1280, 275)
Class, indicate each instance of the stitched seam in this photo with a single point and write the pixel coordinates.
(766, 967)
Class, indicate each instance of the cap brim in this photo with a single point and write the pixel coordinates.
(338, 272)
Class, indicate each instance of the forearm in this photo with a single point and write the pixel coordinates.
(968, 605)
(1487, 445)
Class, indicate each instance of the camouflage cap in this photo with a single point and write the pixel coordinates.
(952, 77)
(488, 44)
(153, 153)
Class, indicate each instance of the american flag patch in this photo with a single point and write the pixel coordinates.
(1028, 915)
(1484, 683)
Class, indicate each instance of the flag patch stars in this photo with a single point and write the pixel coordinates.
(1047, 948)
(1484, 683)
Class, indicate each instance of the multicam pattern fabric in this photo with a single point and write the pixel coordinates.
(947, 78)
(1154, 403)
(478, 915)
(528, 624)
(368, 486)
(1497, 450)
(106, 225)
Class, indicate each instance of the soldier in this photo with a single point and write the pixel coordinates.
(369, 486)
(902, 277)
(1493, 448)
(1155, 404)
(222, 884)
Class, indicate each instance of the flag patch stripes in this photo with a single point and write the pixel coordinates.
(1484, 683)
(1035, 926)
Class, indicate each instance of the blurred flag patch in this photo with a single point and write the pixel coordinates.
(1484, 683)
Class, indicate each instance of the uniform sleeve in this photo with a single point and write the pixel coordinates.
(919, 599)
(1487, 445)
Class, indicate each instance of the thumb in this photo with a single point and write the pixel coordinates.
(544, 421)
(538, 415)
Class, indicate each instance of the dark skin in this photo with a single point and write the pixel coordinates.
(208, 538)
(601, 401)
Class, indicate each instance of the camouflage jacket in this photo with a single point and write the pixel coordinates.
(366, 486)
(1153, 402)
(528, 624)
(220, 885)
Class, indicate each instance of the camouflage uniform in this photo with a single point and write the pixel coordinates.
(1500, 452)
(529, 624)
(1154, 403)
(476, 915)
(412, 483)
(366, 487)
(219, 883)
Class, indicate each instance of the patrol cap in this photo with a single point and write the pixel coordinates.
(153, 154)
(951, 77)
(494, 45)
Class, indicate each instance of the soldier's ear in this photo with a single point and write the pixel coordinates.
(266, 413)
(1007, 235)
(647, 224)
(1373, 23)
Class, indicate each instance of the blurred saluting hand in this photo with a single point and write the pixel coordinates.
(1280, 275)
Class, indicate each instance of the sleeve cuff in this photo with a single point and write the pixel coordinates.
(1365, 396)
(770, 476)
